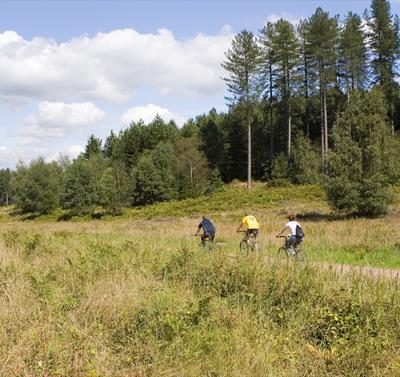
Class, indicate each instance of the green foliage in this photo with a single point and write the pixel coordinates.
(80, 186)
(353, 52)
(242, 64)
(108, 196)
(384, 40)
(358, 174)
(215, 184)
(153, 178)
(37, 187)
(190, 168)
(93, 147)
(280, 171)
(5, 187)
(305, 166)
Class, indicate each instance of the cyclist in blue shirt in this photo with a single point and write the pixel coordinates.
(208, 230)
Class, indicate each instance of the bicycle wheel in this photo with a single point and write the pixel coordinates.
(256, 246)
(244, 247)
(282, 253)
(299, 256)
(253, 245)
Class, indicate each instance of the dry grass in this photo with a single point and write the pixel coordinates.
(137, 298)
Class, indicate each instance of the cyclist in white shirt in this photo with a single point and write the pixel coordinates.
(296, 232)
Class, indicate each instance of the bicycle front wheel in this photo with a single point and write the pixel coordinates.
(244, 247)
(282, 253)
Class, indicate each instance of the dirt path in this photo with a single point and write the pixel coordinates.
(362, 270)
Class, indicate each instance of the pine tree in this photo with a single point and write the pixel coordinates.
(322, 35)
(358, 170)
(304, 68)
(268, 74)
(243, 64)
(353, 54)
(385, 46)
(285, 46)
(93, 147)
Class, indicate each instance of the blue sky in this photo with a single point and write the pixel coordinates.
(72, 68)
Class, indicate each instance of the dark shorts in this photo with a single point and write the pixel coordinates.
(211, 236)
(295, 241)
(253, 232)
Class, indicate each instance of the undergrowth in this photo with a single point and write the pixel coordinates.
(84, 304)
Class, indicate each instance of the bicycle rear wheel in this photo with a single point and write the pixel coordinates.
(299, 256)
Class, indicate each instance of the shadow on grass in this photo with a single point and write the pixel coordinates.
(317, 216)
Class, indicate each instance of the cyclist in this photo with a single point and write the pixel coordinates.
(296, 232)
(252, 226)
(208, 230)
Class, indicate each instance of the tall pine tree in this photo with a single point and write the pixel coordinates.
(242, 63)
(384, 42)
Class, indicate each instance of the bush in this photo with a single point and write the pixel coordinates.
(37, 187)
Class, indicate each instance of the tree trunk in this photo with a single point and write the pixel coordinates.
(289, 114)
(248, 149)
(271, 140)
(392, 114)
(306, 95)
(321, 101)
(325, 123)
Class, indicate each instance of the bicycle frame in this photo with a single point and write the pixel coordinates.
(290, 249)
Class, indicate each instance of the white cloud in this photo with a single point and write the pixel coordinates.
(55, 119)
(110, 66)
(75, 150)
(147, 114)
(293, 18)
(71, 152)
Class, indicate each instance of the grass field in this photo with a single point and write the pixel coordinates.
(136, 296)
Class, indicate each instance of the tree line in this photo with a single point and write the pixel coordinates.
(315, 102)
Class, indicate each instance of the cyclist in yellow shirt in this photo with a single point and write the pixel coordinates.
(252, 226)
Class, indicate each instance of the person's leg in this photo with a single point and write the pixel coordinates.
(296, 244)
(203, 239)
(292, 241)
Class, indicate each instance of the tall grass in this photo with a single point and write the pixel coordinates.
(128, 298)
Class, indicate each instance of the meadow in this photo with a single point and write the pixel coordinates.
(136, 296)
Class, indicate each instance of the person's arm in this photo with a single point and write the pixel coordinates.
(281, 232)
(198, 230)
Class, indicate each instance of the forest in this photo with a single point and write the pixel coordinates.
(316, 102)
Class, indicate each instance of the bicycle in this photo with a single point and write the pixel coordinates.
(249, 243)
(207, 241)
(289, 250)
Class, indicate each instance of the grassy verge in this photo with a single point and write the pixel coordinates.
(84, 302)
(366, 242)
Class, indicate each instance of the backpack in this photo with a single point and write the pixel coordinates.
(299, 232)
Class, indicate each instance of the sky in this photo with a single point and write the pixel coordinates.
(69, 69)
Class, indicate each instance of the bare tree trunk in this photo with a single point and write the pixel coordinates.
(392, 115)
(289, 114)
(248, 150)
(306, 95)
(325, 123)
(271, 140)
(321, 100)
(289, 130)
